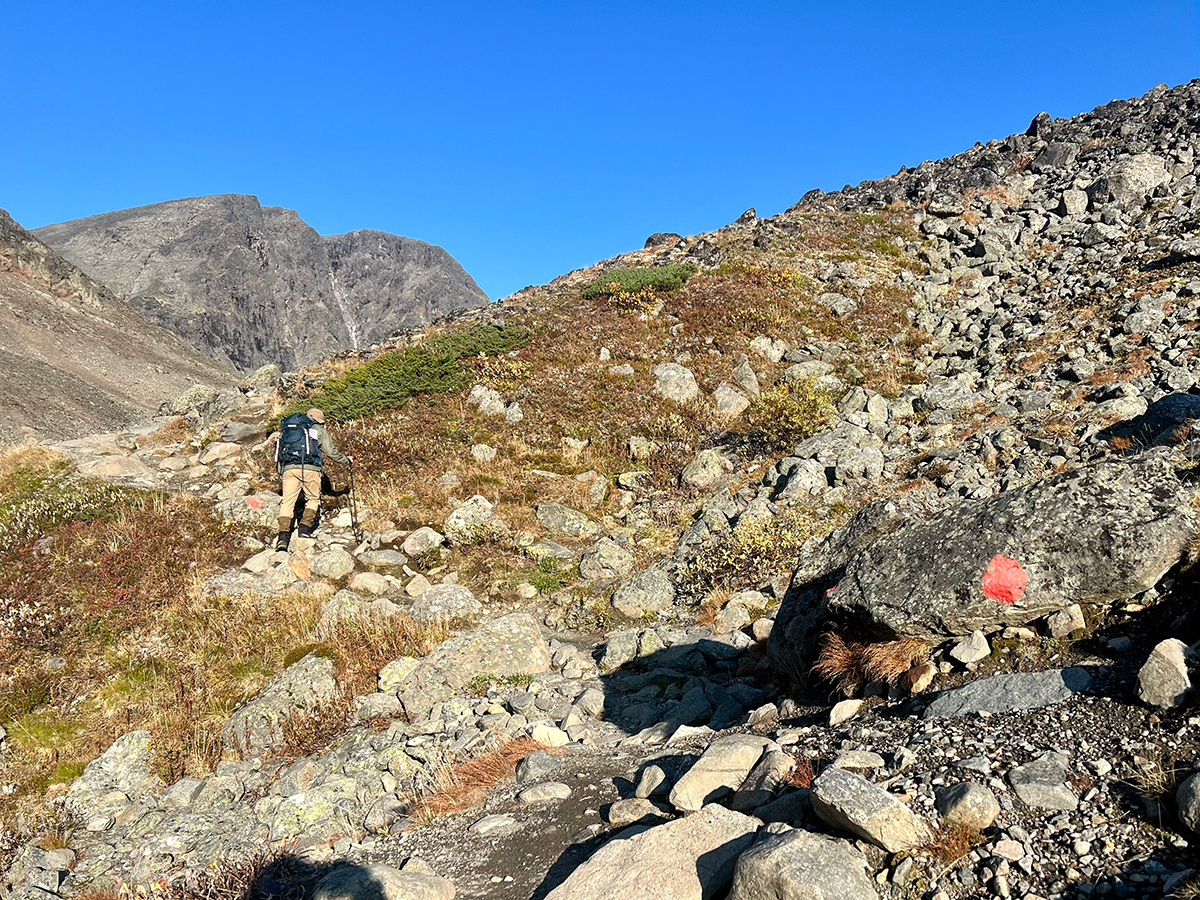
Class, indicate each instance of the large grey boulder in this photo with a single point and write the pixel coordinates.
(259, 725)
(764, 781)
(689, 859)
(1041, 783)
(722, 767)
(1163, 679)
(1130, 180)
(474, 520)
(509, 645)
(706, 470)
(1187, 798)
(442, 602)
(120, 775)
(379, 881)
(281, 293)
(606, 560)
(565, 520)
(1098, 534)
(802, 865)
(852, 803)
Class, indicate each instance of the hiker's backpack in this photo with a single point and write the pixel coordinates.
(298, 442)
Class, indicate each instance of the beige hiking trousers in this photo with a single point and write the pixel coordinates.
(295, 479)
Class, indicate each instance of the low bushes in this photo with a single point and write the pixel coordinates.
(629, 283)
(435, 366)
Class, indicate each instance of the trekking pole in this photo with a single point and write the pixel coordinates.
(354, 505)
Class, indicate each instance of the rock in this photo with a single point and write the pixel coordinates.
(1163, 679)
(647, 591)
(1187, 798)
(259, 510)
(1065, 621)
(473, 521)
(218, 452)
(1073, 203)
(769, 348)
(968, 804)
(487, 400)
(383, 559)
(706, 470)
(858, 759)
(124, 770)
(494, 826)
(675, 382)
(729, 402)
(392, 675)
(1130, 180)
(417, 585)
(722, 768)
(764, 781)
(838, 304)
(844, 711)
(635, 811)
(443, 602)
(483, 453)
(745, 378)
(334, 564)
(265, 378)
(543, 733)
(370, 583)
(972, 649)
(1004, 560)
(421, 542)
(801, 865)
(508, 645)
(606, 560)
(544, 793)
(536, 766)
(793, 808)
(652, 782)
(1040, 785)
(565, 520)
(258, 726)
(849, 801)
(1007, 693)
(917, 679)
(689, 859)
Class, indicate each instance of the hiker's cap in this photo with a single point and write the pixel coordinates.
(316, 415)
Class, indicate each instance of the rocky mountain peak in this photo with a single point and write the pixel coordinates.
(251, 285)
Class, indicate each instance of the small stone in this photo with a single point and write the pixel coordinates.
(636, 810)
(493, 826)
(972, 649)
(549, 735)
(651, 782)
(1163, 680)
(968, 804)
(1063, 622)
(844, 711)
(544, 792)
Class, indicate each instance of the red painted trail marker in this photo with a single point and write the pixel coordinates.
(1004, 580)
(254, 502)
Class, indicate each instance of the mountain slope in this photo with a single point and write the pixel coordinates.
(74, 359)
(249, 284)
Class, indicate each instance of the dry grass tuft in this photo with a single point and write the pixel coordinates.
(803, 773)
(463, 785)
(848, 666)
(951, 843)
(27, 459)
(173, 430)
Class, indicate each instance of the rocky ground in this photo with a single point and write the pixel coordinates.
(1004, 603)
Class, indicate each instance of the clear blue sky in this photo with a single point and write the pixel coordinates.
(532, 138)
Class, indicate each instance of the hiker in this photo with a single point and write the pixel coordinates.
(300, 453)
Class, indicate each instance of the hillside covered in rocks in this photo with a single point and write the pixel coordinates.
(846, 553)
(251, 285)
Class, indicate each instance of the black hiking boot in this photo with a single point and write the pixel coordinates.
(282, 539)
(305, 531)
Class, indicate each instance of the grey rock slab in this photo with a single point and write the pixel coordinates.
(859, 759)
(728, 401)
(1163, 679)
(383, 559)
(675, 382)
(536, 766)
(495, 825)
(258, 726)
(564, 520)
(335, 563)
(124, 769)
(722, 768)
(474, 520)
(636, 811)
(706, 470)
(652, 782)
(1007, 693)
(1097, 534)
(850, 802)
(1040, 782)
(969, 804)
(442, 602)
(691, 858)
(379, 881)
(647, 591)
(605, 561)
(802, 865)
(508, 645)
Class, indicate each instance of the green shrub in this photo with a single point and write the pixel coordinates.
(551, 575)
(433, 367)
(636, 281)
(786, 414)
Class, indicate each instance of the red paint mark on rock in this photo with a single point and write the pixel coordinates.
(254, 502)
(1004, 580)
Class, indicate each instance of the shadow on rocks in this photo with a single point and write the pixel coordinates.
(289, 877)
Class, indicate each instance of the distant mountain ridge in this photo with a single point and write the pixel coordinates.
(251, 284)
(75, 358)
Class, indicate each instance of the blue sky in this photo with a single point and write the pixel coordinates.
(532, 138)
